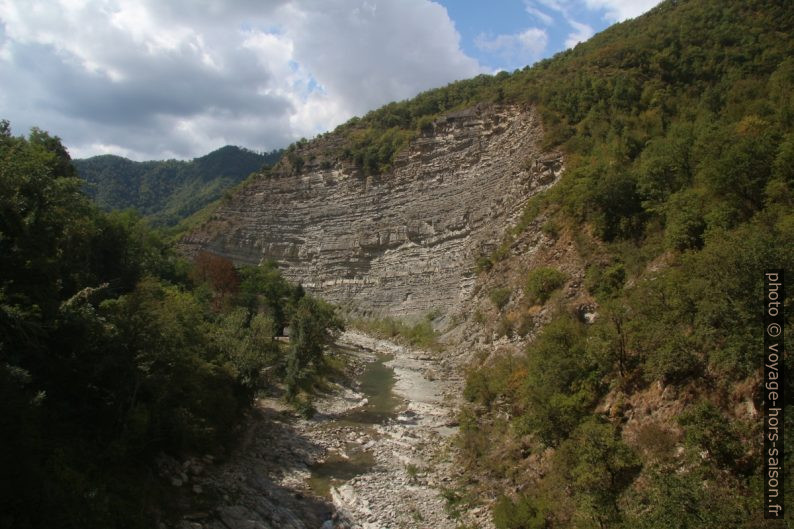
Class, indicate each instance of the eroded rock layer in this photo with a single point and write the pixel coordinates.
(401, 243)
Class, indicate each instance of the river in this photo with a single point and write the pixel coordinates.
(379, 453)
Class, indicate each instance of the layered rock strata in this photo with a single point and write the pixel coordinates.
(401, 243)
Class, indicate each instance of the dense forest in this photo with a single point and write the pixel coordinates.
(114, 349)
(166, 192)
(678, 133)
(678, 130)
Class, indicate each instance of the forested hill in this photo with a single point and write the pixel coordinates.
(678, 192)
(168, 191)
(113, 349)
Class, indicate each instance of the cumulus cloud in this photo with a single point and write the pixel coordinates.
(538, 14)
(516, 50)
(581, 32)
(619, 10)
(153, 79)
(572, 11)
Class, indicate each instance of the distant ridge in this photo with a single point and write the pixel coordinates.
(170, 190)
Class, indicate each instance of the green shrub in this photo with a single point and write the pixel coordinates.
(484, 264)
(550, 229)
(598, 467)
(561, 384)
(421, 334)
(477, 388)
(685, 222)
(689, 499)
(499, 297)
(305, 408)
(707, 428)
(523, 513)
(605, 282)
(674, 361)
(542, 282)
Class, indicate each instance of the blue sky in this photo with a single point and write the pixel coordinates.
(510, 34)
(154, 79)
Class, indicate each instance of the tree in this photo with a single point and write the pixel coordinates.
(599, 467)
(314, 326)
(562, 381)
(264, 289)
(665, 166)
(219, 273)
(608, 340)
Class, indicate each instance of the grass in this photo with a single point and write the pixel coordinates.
(418, 334)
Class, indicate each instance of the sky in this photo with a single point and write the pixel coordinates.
(158, 79)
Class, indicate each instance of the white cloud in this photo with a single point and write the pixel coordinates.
(517, 50)
(614, 10)
(538, 14)
(619, 10)
(572, 11)
(581, 32)
(153, 79)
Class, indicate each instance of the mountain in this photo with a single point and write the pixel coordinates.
(590, 235)
(171, 190)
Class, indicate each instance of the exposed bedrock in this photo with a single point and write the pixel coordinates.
(401, 243)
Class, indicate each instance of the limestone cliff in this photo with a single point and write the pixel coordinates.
(400, 243)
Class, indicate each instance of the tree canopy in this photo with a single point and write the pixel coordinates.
(113, 349)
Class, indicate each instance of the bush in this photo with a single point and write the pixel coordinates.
(605, 282)
(523, 513)
(505, 327)
(305, 408)
(542, 282)
(420, 334)
(484, 264)
(562, 382)
(685, 222)
(674, 361)
(597, 466)
(550, 229)
(499, 297)
(706, 428)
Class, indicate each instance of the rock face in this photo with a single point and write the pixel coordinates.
(401, 243)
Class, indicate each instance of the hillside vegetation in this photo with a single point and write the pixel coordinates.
(679, 186)
(678, 190)
(678, 129)
(166, 192)
(114, 350)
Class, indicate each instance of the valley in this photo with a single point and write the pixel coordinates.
(525, 300)
(378, 452)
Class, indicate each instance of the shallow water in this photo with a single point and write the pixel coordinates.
(336, 469)
(376, 383)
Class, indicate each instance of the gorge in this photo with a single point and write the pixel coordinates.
(523, 300)
(402, 243)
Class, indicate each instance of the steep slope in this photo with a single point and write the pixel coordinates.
(400, 243)
(613, 331)
(170, 190)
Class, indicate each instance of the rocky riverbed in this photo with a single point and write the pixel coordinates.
(379, 453)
